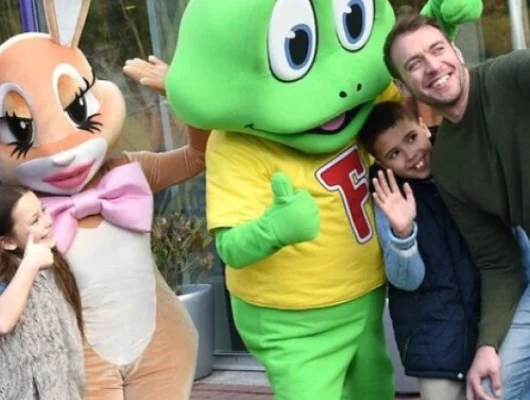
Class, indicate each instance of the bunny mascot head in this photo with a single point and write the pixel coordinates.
(56, 117)
(58, 127)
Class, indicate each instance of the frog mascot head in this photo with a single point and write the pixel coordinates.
(302, 73)
(286, 85)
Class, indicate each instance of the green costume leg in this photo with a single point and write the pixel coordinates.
(371, 372)
(318, 354)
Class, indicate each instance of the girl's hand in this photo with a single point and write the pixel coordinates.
(37, 255)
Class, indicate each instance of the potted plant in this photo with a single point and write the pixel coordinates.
(179, 242)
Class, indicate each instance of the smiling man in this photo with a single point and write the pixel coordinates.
(478, 163)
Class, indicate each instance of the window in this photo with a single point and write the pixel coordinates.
(10, 19)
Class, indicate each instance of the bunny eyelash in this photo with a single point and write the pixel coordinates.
(89, 85)
(89, 125)
(20, 149)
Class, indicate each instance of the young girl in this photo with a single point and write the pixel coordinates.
(41, 328)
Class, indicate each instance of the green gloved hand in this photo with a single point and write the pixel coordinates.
(294, 216)
(451, 13)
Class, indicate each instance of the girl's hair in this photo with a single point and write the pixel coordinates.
(10, 260)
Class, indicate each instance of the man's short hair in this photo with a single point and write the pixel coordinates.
(407, 23)
(384, 116)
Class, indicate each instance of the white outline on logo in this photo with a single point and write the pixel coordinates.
(361, 180)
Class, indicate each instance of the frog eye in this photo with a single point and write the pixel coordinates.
(292, 39)
(354, 21)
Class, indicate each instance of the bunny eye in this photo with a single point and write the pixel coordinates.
(77, 110)
(17, 132)
(83, 108)
(16, 124)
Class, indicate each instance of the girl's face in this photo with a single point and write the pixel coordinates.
(30, 216)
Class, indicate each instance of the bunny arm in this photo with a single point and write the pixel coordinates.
(169, 168)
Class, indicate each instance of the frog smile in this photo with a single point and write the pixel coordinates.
(330, 127)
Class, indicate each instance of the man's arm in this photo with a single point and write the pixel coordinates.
(496, 253)
(404, 266)
(510, 72)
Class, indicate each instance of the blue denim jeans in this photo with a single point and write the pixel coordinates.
(515, 354)
(515, 349)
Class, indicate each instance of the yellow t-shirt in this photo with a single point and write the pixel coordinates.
(391, 93)
(342, 263)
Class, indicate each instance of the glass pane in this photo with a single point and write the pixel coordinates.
(116, 31)
(496, 28)
(165, 19)
(490, 37)
(526, 18)
(10, 21)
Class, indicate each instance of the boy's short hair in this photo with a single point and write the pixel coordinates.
(384, 116)
(405, 24)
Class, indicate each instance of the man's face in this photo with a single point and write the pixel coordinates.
(429, 66)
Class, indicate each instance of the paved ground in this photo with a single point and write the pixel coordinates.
(208, 391)
(239, 386)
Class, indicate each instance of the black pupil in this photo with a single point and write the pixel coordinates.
(77, 110)
(299, 47)
(354, 21)
(21, 128)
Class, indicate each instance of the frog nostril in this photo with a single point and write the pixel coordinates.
(343, 94)
(359, 87)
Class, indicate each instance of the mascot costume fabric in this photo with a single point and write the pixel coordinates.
(286, 85)
(58, 127)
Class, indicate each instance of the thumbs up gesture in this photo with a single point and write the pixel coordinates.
(294, 214)
(37, 255)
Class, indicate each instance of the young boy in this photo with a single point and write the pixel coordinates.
(434, 285)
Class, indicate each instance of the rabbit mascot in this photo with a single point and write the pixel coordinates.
(287, 84)
(59, 125)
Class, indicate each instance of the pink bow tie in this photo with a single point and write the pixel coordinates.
(123, 197)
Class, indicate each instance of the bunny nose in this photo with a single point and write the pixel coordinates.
(63, 160)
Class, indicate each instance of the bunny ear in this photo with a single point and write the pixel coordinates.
(66, 19)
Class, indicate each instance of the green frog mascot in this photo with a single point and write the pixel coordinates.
(286, 85)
